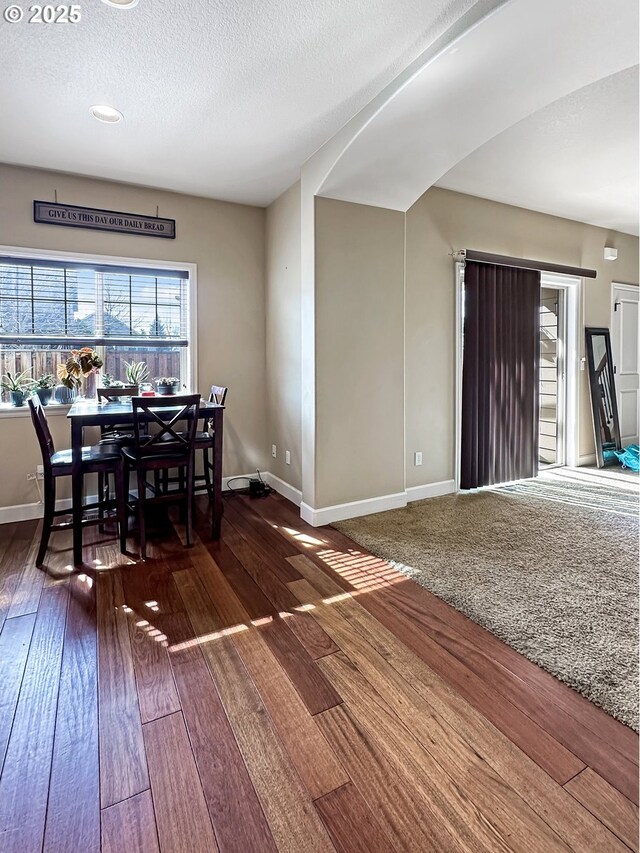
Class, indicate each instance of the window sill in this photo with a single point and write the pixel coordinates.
(9, 411)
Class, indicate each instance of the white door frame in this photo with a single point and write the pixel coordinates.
(459, 282)
(573, 361)
(630, 288)
(621, 285)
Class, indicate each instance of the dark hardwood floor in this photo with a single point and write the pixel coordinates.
(282, 690)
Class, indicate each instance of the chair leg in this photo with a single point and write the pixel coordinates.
(47, 521)
(126, 474)
(121, 503)
(181, 490)
(142, 532)
(207, 471)
(189, 496)
(101, 479)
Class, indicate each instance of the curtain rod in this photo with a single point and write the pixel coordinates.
(522, 263)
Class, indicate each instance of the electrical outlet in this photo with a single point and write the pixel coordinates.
(417, 458)
(40, 472)
(274, 451)
(287, 457)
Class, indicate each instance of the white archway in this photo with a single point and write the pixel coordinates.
(513, 62)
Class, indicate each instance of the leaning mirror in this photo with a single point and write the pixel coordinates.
(606, 427)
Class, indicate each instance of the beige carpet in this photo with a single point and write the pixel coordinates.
(550, 566)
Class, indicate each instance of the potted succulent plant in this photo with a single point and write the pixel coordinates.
(136, 372)
(17, 385)
(167, 385)
(109, 382)
(43, 387)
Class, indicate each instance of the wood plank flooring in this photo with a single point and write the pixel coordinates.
(282, 690)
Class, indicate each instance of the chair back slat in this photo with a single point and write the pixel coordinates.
(111, 394)
(148, 410)
(218, 394)
(43, 433)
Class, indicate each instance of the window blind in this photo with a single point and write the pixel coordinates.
(53, 303)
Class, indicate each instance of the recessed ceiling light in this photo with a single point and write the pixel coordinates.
(121, 4)
(109, 115)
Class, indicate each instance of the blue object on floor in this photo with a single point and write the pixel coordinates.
(630, 457)
(609, 452)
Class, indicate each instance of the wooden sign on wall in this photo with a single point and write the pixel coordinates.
(96, 219)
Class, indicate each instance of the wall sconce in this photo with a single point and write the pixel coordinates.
(610, 254)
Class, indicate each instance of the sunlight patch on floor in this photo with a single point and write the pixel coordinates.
(362, 571)
(304, 538)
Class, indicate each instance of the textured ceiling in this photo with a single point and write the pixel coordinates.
(577, 158)
(224, 99)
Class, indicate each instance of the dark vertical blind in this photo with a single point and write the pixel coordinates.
(499, 374)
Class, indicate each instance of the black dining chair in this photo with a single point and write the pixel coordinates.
(120, 435)
(97, 459)
(160, 450)
(204, 443)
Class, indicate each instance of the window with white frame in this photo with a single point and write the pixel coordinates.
(49, 307)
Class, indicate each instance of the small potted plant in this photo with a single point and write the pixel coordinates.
(136, 372)
(43, 387)
(166, 385)
(17, 385)
(109, 382)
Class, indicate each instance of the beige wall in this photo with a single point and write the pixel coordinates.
(359, 352)
(442, 221)
(226, 241)
(283, 330)
(384, 319)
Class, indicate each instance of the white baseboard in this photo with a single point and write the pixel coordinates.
(590, 459)
(339, 512)
(431, 490)
(20, 512)
(25, 512)
(285, 489)
(315, 517)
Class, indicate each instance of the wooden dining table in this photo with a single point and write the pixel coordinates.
(85, 413)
